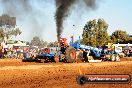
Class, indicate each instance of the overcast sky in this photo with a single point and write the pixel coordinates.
(117, 13)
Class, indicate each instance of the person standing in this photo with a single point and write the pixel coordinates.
(85, 55)
(18, 53)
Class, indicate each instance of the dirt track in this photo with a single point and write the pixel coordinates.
(17, 74)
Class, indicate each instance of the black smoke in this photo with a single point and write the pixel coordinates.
(63, 8)
(27, 12)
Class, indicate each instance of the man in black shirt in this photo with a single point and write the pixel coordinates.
(85, 55)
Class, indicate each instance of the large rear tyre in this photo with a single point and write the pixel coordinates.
(70, 54)
(79, 57)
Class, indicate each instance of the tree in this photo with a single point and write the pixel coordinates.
(8, 27)
(55, 44)
(129, 40)
(12, 32)
(95, 33)
(36, 41)
(16, 32)
(119, 36)
(2, 34)
(51, 44)
(44, 43)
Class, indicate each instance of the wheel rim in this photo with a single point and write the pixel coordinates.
(73, 55)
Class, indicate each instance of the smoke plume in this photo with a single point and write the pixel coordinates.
(63, 8)
(30, 13)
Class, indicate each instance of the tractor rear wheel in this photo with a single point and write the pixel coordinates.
(70, 54)
(79, 57)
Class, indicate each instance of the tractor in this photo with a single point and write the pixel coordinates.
(66, 53)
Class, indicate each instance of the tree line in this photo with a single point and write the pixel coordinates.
(95, 34)
(36, 41)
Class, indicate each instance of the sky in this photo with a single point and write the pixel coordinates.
(117, 14)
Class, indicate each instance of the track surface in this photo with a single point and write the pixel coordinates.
(17, 74)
